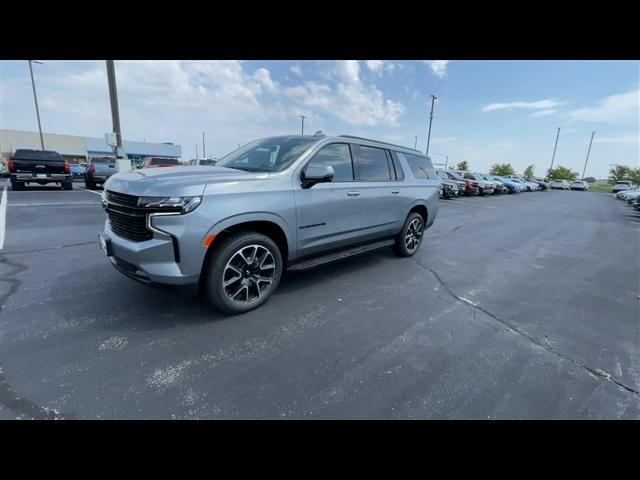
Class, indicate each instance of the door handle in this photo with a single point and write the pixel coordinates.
(395, 192)
(353, 194)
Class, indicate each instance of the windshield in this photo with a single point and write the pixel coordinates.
(272, 154)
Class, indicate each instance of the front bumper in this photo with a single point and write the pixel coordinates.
(151, 261)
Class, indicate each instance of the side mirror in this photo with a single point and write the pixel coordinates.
(317, 174)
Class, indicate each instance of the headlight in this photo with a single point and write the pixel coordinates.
(186, 204)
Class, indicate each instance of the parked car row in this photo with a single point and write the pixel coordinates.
(631, 196)
(458, 183)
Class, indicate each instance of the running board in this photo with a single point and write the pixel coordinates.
(315, 262)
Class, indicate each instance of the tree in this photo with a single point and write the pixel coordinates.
(562, 173)
(620, 172)
(462, 166)
(528, 172)
(590, 179)
(502, 169)
(635, 176)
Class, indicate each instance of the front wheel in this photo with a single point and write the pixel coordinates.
(410, 237)
(243, 272)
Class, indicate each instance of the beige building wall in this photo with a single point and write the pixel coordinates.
(66, 145)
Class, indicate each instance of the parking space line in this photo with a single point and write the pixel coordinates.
(3, 216)
(90, 191)
(52, 204)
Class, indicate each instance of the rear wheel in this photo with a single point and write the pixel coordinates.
(410, 237)
(243, 272)
(67, 185)
(16, 186)
(89, 184)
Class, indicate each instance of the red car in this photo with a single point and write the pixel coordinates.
(471, 185)
(153, 162)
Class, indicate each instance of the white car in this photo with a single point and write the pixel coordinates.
(623, 185)
(580, 185)
(627, 195)
(559, 185)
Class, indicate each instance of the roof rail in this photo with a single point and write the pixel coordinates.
(379, 141)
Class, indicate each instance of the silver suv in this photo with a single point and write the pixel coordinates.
(291, 202)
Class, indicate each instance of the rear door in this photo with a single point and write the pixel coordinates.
(329, 215)
(385, 203)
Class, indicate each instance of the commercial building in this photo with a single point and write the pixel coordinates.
(76, 149)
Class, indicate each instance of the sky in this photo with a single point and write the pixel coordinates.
(486, 112)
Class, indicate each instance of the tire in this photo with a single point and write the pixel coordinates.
(410, 227)
(249, 294)
(89, 184)
(67, 185)
(16, 186)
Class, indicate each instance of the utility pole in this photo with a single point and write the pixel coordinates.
(204, 155)
(415, 145)
(588, 152)
(554, 152)
(446, 163)
(115, 114)
(302, 117)
(433, 100)
(35, 99)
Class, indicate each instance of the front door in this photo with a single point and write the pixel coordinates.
(329, 215)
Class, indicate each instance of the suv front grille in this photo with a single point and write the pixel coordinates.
(122, 199)
(128, 223)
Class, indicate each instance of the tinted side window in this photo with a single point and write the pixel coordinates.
(373, 165)
(420, 166)
(469, 176)
(338, 156)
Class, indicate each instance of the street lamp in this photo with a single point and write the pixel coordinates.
(433, 100)
(35, 99)
(204, 154)
(302, 117)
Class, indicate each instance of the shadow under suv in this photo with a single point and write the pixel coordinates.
(292, 202)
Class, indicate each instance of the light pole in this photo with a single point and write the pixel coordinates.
(415, 145)
(554, 152)
(433, 100)
(115, 115)
(443, 155)
(35, 99)
(204, 154)
(196, 151)
(588, 152)
(302, 117)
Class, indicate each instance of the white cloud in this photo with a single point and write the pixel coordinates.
(297, 69)
(438, 67)
(623, 108)
(544, 113)
(546, 104)
(375, 65)
(263, 76)
(350, 99)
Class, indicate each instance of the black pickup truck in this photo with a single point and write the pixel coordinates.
(39, 166)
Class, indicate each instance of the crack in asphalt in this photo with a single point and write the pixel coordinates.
(57, 247)
(523, 333)
(9, 399)
(9, 277)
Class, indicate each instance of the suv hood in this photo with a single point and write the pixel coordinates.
(176, 181)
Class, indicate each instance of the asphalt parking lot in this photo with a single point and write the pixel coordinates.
(515, 307)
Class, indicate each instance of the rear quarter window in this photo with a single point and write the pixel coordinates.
(420, 166)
